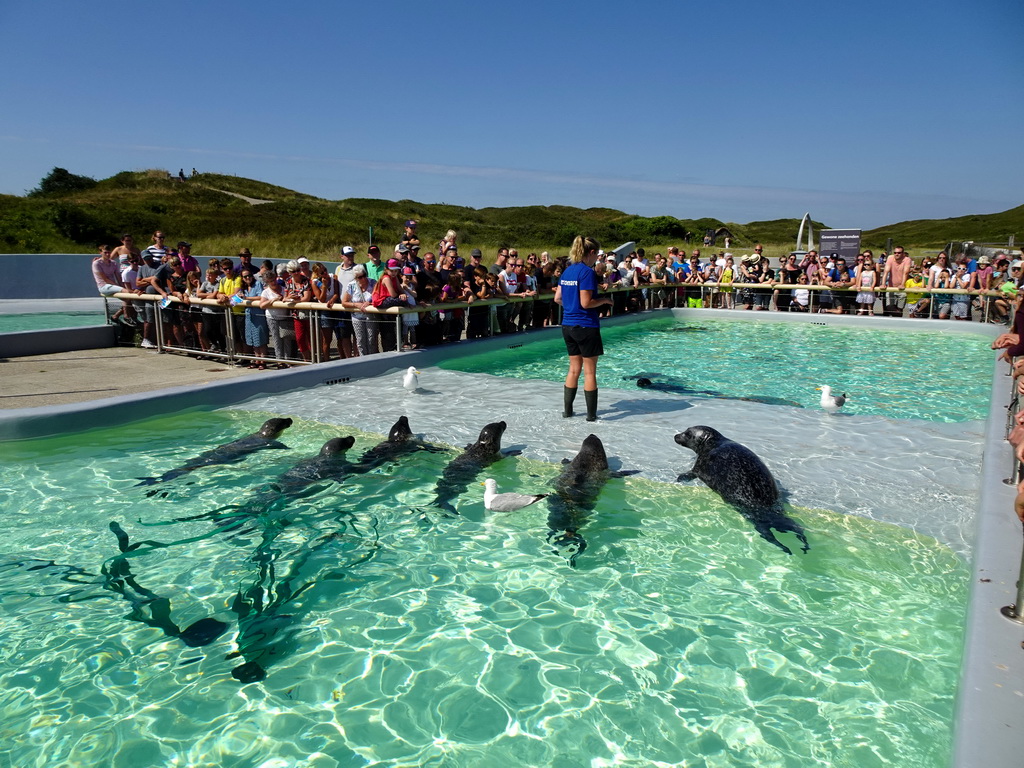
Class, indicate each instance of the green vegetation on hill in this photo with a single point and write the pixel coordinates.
(981, 228)
(69, 213)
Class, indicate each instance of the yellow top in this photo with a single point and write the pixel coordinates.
(912, 283)
(229, 286)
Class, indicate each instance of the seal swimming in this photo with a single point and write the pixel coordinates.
(464, 468)
(228, 453)
(576, 492)
(644, 381)
(735, 473)
(400, 441)
(329, 465)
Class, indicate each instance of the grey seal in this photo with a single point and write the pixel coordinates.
(400, 441)
(466, 467)
(576, 490)
(735, 473)
(229, 453)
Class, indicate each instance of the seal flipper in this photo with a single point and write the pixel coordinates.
(766, 533)
(687, 477)
(784, 524)
(765, 521)
(624, 472)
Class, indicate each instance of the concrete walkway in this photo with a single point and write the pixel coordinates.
(75, 377)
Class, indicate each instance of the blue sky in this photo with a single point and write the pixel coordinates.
(863, 114)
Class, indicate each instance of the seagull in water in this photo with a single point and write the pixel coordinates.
(412, 379)
(829, 402)
(507, 502)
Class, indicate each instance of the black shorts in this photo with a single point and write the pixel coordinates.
(585, 342)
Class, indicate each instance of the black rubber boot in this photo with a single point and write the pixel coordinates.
(568, 395)
(591, 396)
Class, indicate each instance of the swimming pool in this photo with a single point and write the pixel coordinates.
(42, 321)
(680, 636)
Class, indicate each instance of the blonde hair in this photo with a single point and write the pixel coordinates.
(581, 246)
(450, 237)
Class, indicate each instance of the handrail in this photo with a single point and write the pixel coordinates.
(517, 298)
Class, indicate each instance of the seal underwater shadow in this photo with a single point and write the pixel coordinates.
(735, 473)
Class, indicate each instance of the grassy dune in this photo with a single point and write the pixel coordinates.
(73, 217)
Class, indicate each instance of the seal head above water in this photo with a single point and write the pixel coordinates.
(576, 491)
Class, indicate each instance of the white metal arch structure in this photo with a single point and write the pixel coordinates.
(805, 222)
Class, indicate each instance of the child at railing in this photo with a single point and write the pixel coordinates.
(802, 296)
(410, 320)
(726, 278)
(867, 279)
(943, 301)
(961, 305)
(456, 290)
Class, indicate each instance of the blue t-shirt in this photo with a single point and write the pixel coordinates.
(576, 278)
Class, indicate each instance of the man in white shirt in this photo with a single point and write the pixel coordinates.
(508, 283)
(345, 274)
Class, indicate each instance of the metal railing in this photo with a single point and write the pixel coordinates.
(633, 298)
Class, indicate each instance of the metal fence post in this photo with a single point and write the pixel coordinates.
(1014, 612)
(159, 330)
(314, 335)
(229, 327)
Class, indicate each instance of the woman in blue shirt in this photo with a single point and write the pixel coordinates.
(581, 329)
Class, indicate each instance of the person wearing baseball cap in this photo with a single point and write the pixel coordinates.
(410, 238)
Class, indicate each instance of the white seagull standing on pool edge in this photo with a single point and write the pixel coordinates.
(412, 379)
(507, 502)
(830, 403)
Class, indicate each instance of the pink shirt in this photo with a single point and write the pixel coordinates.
(106, 272)
(983, 274)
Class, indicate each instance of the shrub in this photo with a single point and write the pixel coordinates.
(60, 181)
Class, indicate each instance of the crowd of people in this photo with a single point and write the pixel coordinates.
(894, 283)
(266, 326)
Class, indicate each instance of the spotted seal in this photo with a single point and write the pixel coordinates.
(735, 473)
(229, 453)
(464, 468)
(576, 490)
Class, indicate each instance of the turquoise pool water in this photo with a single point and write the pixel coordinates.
(41, 321)
(395, 636)
(899, 374)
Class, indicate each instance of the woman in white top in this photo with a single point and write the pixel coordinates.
(279, 320)
(941, 263)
